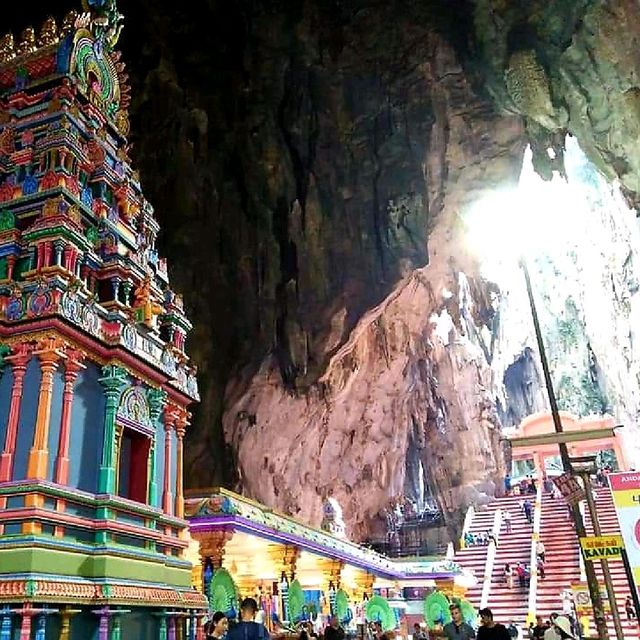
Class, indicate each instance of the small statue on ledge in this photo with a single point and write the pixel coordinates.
(145, 306)
(332, 521)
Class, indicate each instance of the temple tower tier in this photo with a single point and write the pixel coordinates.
(95, 384)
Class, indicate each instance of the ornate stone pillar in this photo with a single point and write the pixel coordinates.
(285, 559)
(58, 246)
(49, 353)
(331, 579)
(19, 361)
(363, 585)
(73, 366)
(113, 379)
(65, 622)
(11, 265)
(170, 417)
(25, 625)
(212, 544)
(156, 399)
(162, 635)
(127, 286)
(181, 425)
(115, 285)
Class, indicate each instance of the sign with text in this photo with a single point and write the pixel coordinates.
(625, 488)
(582, 599)
(602, 547)
(570, 488)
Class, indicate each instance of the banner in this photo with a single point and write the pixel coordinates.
(602, 547)
(625, 488)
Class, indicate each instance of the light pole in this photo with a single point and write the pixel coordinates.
(592, 580)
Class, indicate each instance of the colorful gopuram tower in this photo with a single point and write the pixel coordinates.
(94, 380)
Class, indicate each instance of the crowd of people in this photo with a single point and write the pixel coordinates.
(557, 627)
(219, 627)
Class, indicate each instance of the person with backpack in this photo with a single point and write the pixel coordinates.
(247, 628)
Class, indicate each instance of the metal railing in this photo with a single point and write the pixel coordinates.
(491, 558)
(533, 561)
(405, 551)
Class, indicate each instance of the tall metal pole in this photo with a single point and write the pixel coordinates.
(593, 512)
(592, 579)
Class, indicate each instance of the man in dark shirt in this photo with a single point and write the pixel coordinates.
(247, 629)
(539, 629)
(457, 629)
(334, 631)
(491, 630)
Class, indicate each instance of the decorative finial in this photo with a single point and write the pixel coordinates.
(105, 20)
(68, 23)
(7, 51)
(27, 41)
(48, 33)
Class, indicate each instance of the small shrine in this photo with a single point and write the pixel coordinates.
(297, 572)
(95, 384)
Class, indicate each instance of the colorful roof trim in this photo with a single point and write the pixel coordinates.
(223, 509)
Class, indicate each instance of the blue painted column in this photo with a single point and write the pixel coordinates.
(5, 623)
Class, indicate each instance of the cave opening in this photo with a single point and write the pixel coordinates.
(582, 244)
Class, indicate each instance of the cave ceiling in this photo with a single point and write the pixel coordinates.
(307, 162)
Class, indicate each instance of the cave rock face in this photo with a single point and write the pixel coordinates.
(309, 161)
(569, 67)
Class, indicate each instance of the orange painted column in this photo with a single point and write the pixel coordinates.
(19, 361)
(619, 451)
(167, 494)
(73, 366)
(49, 355)
(181, 425)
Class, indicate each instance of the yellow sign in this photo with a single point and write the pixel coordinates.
(602, 547)
(582, 599)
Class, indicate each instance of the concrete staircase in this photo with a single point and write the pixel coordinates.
(562, 567)
(507, 604)
(473, 558)
(511, 604)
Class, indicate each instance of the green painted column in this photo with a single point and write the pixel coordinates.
(113, 380)
(116, 631)
(156, 399)
(163, 627)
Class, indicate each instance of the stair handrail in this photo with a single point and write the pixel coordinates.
(491, 558)
(468, 519)
(533, 560)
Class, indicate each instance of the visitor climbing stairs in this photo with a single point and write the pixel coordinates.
(562, 564)
(507, 604)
